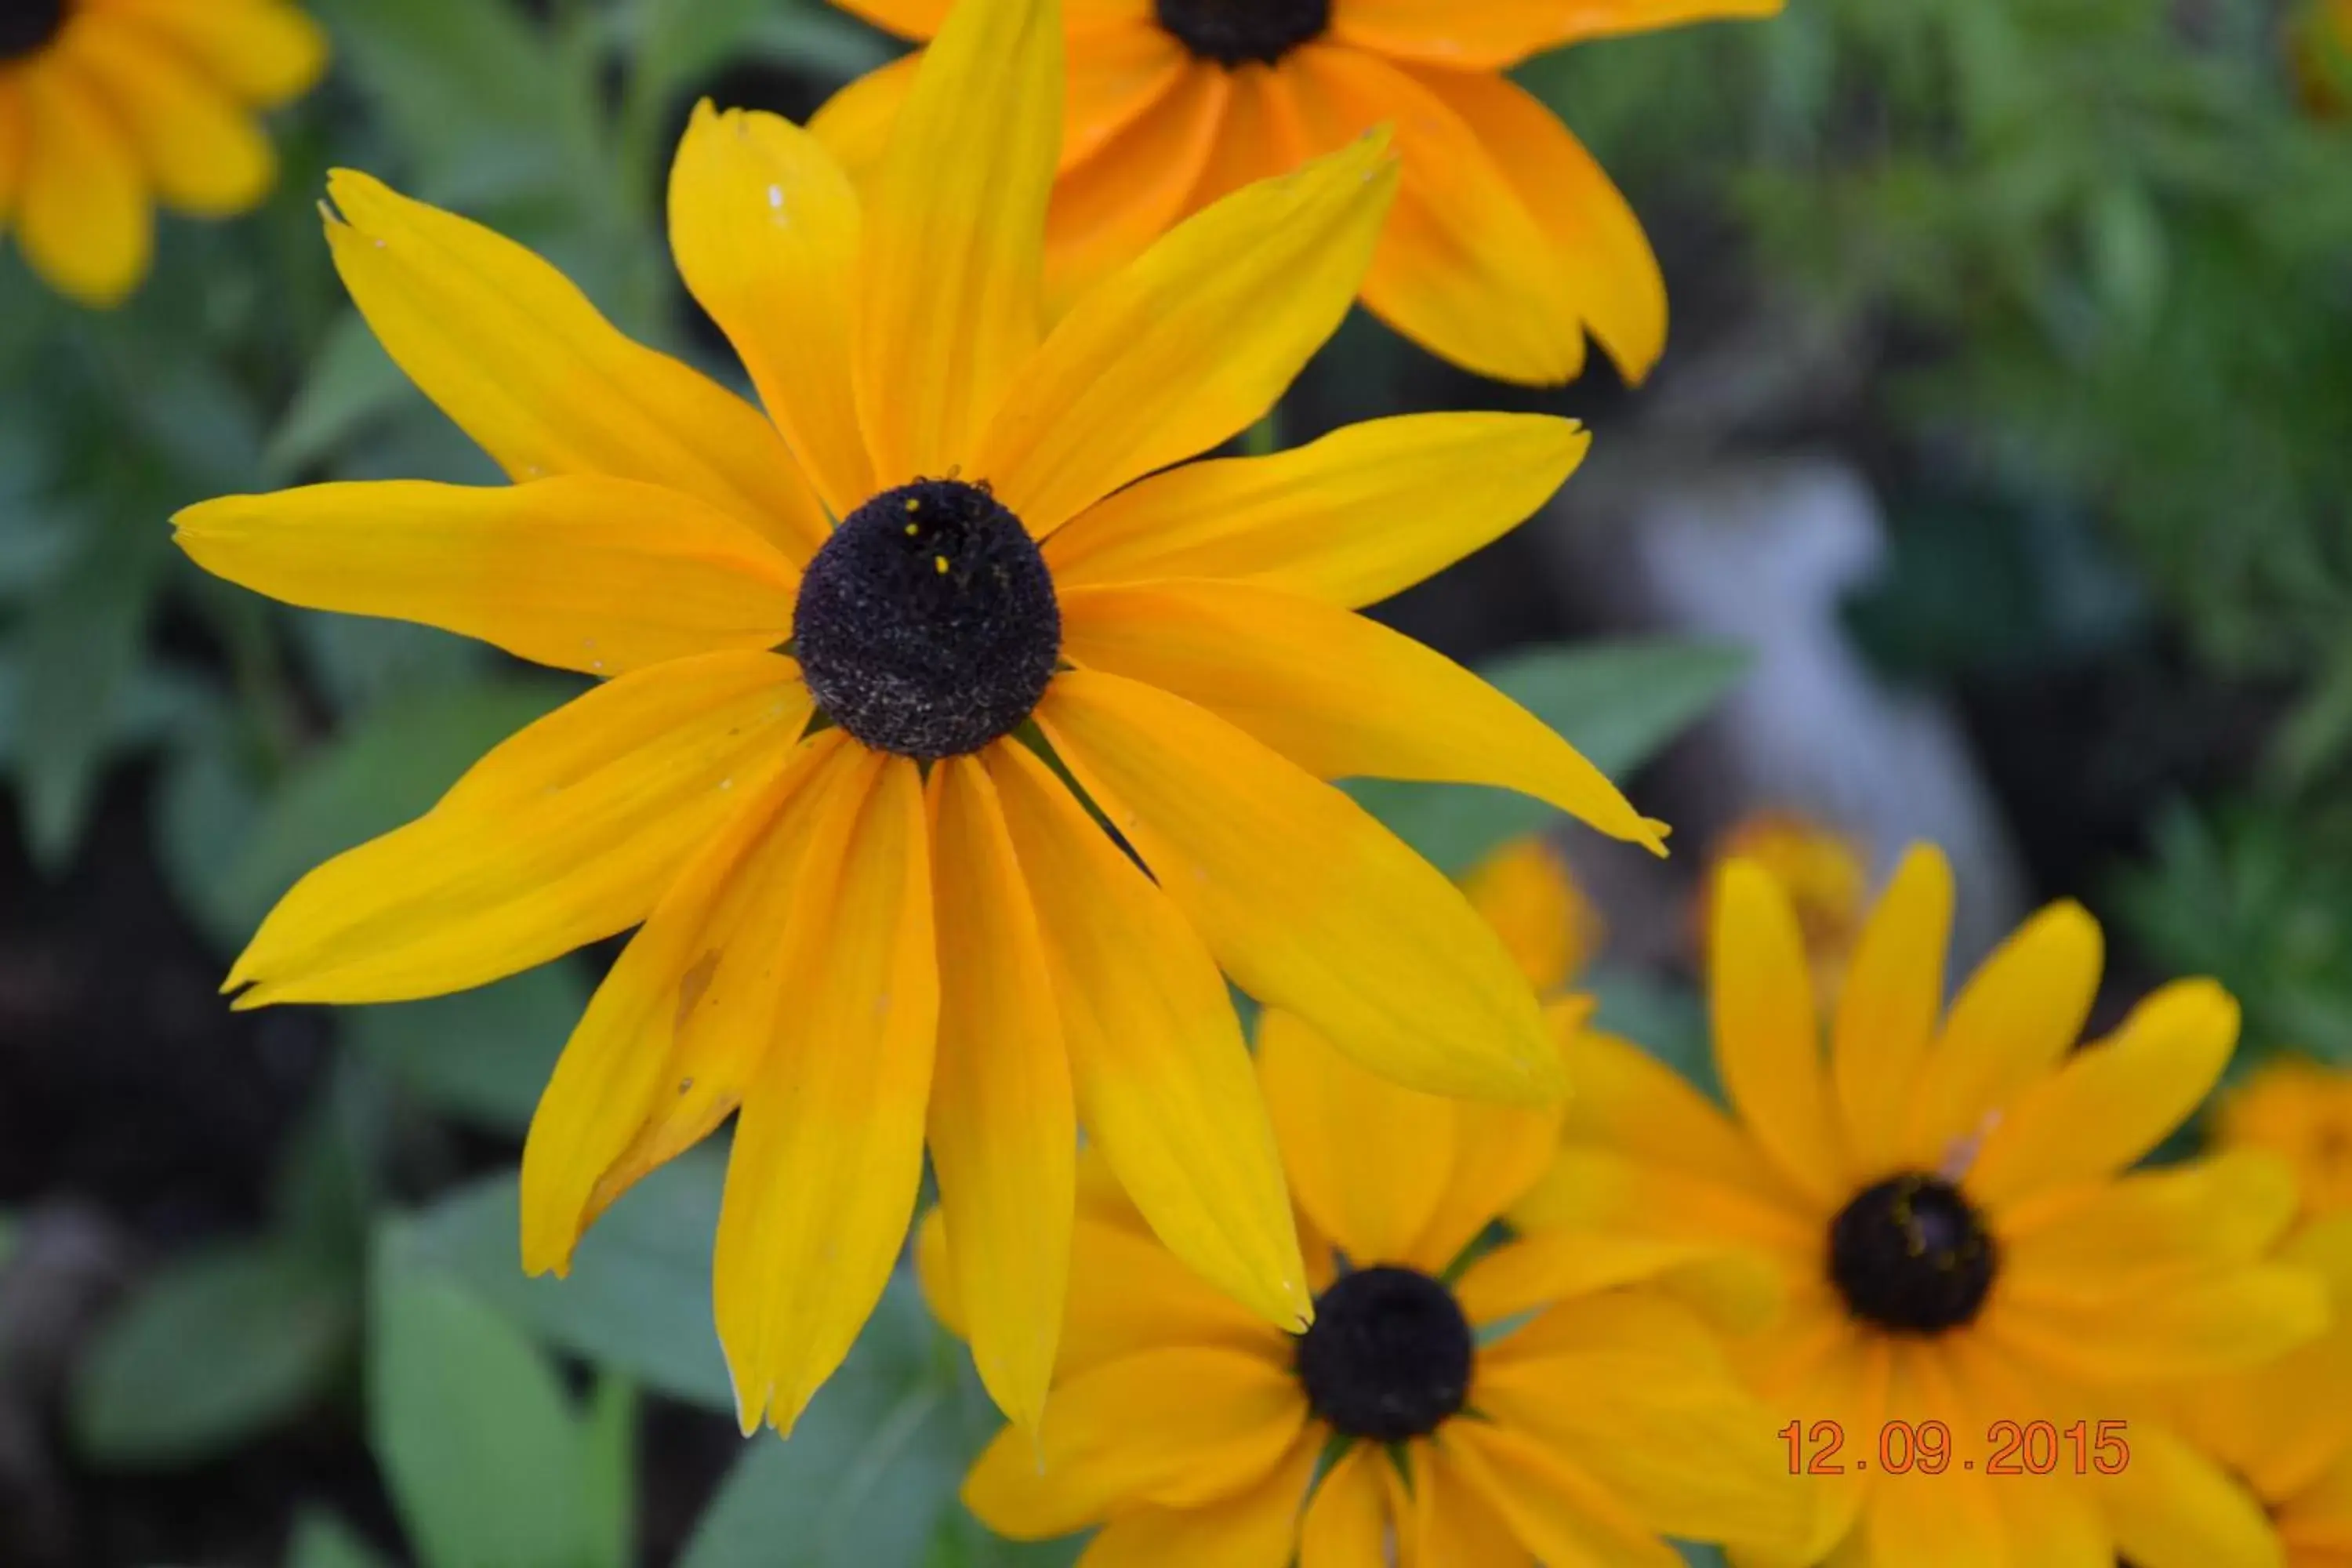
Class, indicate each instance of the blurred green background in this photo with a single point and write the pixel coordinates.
(2065, 284)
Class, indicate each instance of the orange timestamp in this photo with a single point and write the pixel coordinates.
(1925, 1448)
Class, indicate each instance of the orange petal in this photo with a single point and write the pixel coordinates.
(1500, 33)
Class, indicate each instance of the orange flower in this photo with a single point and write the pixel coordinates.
(1507, 242)
(2301, 1112)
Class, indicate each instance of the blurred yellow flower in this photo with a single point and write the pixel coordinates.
(108, 107)
(1966, 1254)
(872, 914)
(2301, 1112)
(2285, 1430)
(1450, 1408)
(1507, 244)
(1825, 874)
(1529, 896)
(2319, 47)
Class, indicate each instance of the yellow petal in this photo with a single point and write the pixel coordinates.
(1767, 1041)
(264, 51)
(2102, 1240)
(2015, 1020)
(1368, 1160)
(1558, 1510)
(764, 226)
(2114, 1100)
(1164, 1082)
(1182, 1427)
(566, 832)
(2170, 1506)
(1529, 894)
(1257, 1528)
(1363, 513)
(198, 145)
(1129, 1294)
(1945, 1521)
(1308, 902)
(2219, 1320)
(1347, 1522)
(1536, 1272)
(1628, 1100)
(1589, 1186)
(1004, 1127)
(682, 1022)
(1190, 344)
(1596, 247)
(855, 123)
(1634, 1390)
(1132, 186)
(954, 262)
(1887, 1008)
(1499, 32)
(907, 18)
(1463, 268)
(828, 1152)
(1451, 1523)
(594, 575)
(82, 212)
(527, 367)
(1341, 696)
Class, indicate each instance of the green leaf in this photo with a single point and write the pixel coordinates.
(482, 1055)
(322, 1541)
(871, 1469)
(610, 1517)
(486, 1462)
(638, 1297)
(1617, 703)
(213, 1349)
(352, 382)
(389, 767)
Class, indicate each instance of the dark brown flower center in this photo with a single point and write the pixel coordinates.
(1387, 1356)
(1234, 32)
(1911, 1256)
(26, 27)
(927, 625)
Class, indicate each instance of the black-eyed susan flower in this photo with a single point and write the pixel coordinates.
(1966, 1253)
(1453, 1405)
(837, 639)
(1507, 243)
(2285, 1430)
(2301, 1112)
(108, 107)
(1824, 873)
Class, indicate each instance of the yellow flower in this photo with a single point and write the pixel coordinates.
(1826, 875)
(2319, 49)
(1528, 895)
(1451, 1407)
(1959, 1237)
(1507, 243)
(2285, 1430)
(871, 910)
(109, 106)
(2302, 1113)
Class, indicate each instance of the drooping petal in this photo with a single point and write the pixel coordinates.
(524, 363)
(1363, 513)
(828, 1154)
(83, 216)
(588, 574)
(1339, 695)
(264, 51)
(1463, 266)
(1132, 186)
(564, 834)
(683, 1021)
(1004, 1127)
(1347, 1521)
(1557, 1509)
(1887, 1010)
(1308, 902)
(1634, 1390)
(1602, 259)
(2114, 1100)
(2014, 1021)
(1767, 1039)
(1257, 1528)
(1180, 1427)
(764, 226)
(1164, 1082)
(951, 274)
(198, 145)
(1190, 343)
(1257, 135)
(1496, 34)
